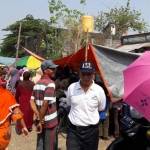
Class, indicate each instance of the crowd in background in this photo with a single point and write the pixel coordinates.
(21, 82)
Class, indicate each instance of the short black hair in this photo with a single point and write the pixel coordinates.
(26, 75)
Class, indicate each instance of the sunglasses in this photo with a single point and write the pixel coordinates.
(51, 68)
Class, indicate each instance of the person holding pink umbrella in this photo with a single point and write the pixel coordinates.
(137, 84)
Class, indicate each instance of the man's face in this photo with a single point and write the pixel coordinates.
(50, 72)
(86, 78)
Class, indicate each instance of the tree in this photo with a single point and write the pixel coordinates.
(67, 20)
(124, 18)
(46, 37)
(33, 33)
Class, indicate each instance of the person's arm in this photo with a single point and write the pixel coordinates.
(68, 97)
(49, 98)
(34, 108)
(43, 110)
(33, 104)
(102, 100)
(37, 120)
(24, 129)
(18, 117)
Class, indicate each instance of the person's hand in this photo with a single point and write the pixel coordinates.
(39, 128)
(36, 116)
(25, 131)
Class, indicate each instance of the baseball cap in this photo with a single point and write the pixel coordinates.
(48, 64)
(87, 67)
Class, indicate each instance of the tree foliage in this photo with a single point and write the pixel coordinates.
(47, 38)
(124, 18)
(33, 33)
(69, 21)
(59, 12)
(63, 30)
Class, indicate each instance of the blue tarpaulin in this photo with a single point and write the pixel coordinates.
(6, 60)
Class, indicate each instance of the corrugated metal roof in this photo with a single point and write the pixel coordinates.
(127, 48)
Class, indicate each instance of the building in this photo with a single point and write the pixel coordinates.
(136, 43)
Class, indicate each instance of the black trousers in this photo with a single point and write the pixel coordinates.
(82, 138)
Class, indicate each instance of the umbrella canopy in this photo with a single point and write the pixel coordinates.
(29, 61)
(7, 60)
(137, 84)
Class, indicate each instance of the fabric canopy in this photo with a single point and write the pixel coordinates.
(74, 60)
(29, 61)
(7, 60)
(113, 63)
(109, 64)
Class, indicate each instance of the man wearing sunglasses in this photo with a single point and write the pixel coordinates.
(43, 103)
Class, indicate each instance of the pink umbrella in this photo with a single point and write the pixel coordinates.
(137, 84)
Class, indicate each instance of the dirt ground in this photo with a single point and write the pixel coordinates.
(29, 143)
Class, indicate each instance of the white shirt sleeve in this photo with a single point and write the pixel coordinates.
(68, 97)
(102, 100)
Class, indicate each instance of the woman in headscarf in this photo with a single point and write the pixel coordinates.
(9, 111)
(14, 77)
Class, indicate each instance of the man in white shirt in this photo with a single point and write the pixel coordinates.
(86, 99)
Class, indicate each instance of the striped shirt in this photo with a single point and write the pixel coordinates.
(44, 90)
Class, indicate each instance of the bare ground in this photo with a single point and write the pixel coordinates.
(29, 143)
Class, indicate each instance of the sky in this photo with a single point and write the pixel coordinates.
(14, 10)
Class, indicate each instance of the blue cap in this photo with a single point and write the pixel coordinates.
(48, 64)
(87, 67)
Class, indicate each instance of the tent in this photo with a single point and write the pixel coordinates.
(109, 65)
(33, 61)
(7, 60)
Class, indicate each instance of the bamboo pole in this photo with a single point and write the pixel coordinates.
(86, 47)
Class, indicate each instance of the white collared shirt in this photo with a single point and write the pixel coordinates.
(85, 106)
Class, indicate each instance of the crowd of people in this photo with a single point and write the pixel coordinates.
(36, 98)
